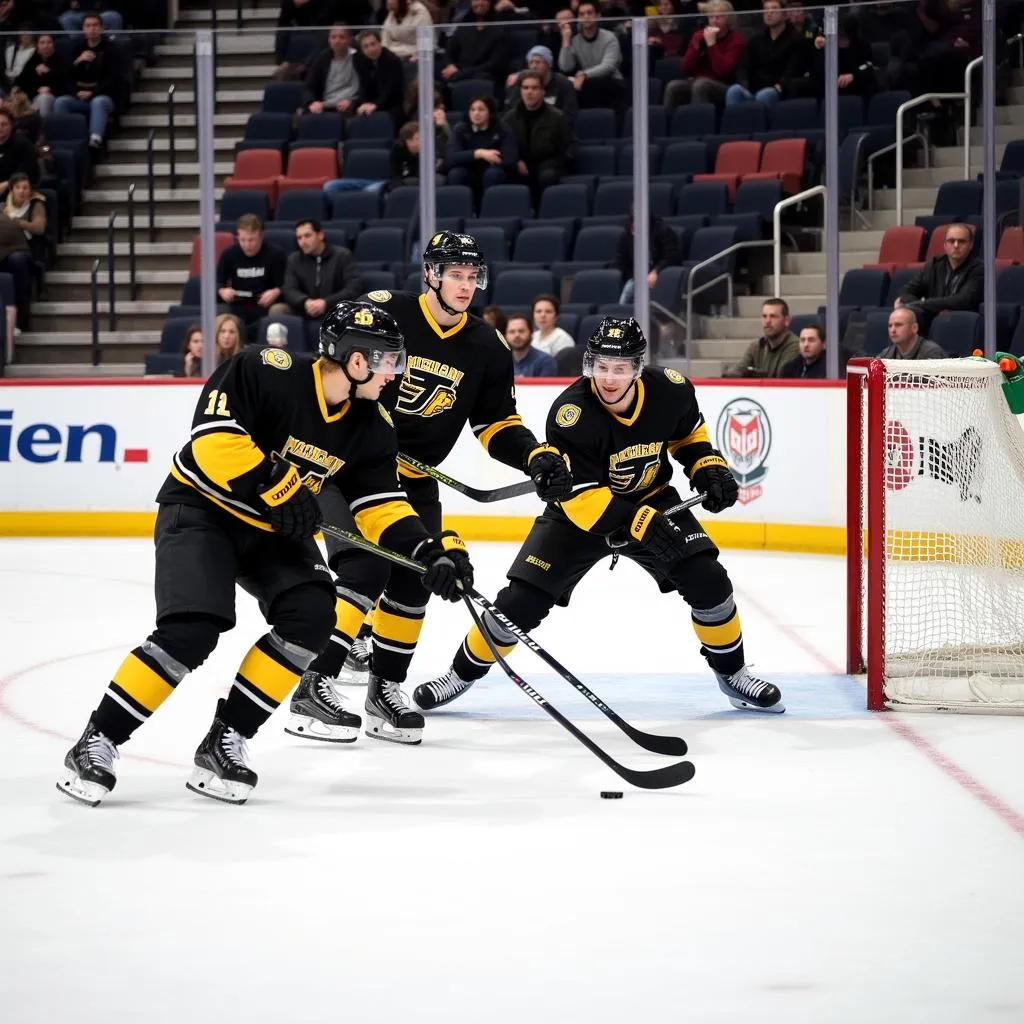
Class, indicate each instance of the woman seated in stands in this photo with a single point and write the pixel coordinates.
(399, 29)
(228, 333)
(481, 151)
(192, 352)
(548, 337)
(28, 210)
(15, 254)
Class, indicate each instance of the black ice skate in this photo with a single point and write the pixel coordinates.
(748, 693)
(440, 691)
(89, 768)
(318, 713)
(356, 670)
(388, 716)
(222, 769)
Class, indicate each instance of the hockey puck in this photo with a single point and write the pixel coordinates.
(610, 794)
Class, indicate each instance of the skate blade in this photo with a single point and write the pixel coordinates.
(89, 793)
(308, 728)
(742, 705)
(352, 676)
(379, 729)
(206, 783)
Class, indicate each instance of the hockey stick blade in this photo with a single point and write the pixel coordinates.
(657, 778)
(498, 494)
(671, 746)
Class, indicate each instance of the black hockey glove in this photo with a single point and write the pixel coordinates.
(449, 572)
(658, 534)
(549, 470)
(292, 507)
(713, 478)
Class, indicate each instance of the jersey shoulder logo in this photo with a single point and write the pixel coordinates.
(567, 415)
(386, 415)
(277, 358)
(380, 295)
(674, 375)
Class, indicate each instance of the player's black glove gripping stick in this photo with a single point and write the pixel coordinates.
(659, 778)
(498, 494)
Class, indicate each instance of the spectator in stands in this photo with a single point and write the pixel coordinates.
(17, 53)
(558, 90)
(381, 79)
(16, 260)
(442, 130)
(770, 60)
(478, 49)
(895, 24)
(277, 335)
(952, 38)
(857, 75)
(543, 140)
(482, 150)
(666, 35)
(228, 332)
(405, 157)
(399, 29)
(494, 316)
(192, 352)
(810, 363)
(710, 60)
(773, 350)
(297, 15)
(592, 58)
(28, 210)
(317, 276)
(333, 81)
(250, 273)
(93, 80)
(74, 13)
(905, 339)
(547, 335)
(954, 280)
(665, 251)
(527, 361)
(16, 153)
(44, 77)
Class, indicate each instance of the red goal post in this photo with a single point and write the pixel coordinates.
(935, 536)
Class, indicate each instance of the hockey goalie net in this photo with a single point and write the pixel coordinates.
(935, 536)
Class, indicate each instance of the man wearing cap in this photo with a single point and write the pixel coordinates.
(558, 90)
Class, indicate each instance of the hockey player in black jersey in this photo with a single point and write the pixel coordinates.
(239, 506)
(618, 425)
(458, 371)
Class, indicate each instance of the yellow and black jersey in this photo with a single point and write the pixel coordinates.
(620, 461)
(453, 376)
(268, 404)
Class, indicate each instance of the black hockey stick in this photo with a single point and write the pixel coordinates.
(498, 494)
(670, 745)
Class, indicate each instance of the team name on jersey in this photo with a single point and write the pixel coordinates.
(635, 467)
(298, 452)
(438, 368)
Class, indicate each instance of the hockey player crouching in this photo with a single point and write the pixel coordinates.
(618, 425)
(459, 371)
(239, 506)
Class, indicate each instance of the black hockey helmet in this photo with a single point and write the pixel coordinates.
(359, 326)
(453, 249)
(616, 338)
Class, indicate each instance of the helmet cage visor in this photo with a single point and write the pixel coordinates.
(460, 273)
(617, 366)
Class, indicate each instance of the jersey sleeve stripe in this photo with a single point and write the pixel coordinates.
(372, 522)
(376, 499)
(587, 507)
(223, 457)
(486, 433)
(227, 426)
(236, 508)
(699, 435)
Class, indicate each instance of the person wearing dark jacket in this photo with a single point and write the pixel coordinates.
(478, 48)
(93, 77)
(543, 140)
(332, 81)
(810, 364)
(44, 77)
(16, 154)
(298, 15)
(558, 90)
(481, 151)
(250, 273)
(769, 60)
(665, 251)
(317, 277)
(381, 79)
(857, 75)
(955, 280)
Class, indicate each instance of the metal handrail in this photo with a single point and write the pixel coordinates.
(151, 181)
(977, 62)
(133, 287)
(238, 14)
(171, 137)
(111, 284)
(94, 294)
(878, 153)
(817, 190)
(903, 107)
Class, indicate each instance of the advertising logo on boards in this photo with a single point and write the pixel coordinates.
(744, 437)
(42, 442)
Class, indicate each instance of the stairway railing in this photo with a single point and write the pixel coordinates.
(94, 295)
(171, 139)
(111, 284)
(133, 286)
(151, 182)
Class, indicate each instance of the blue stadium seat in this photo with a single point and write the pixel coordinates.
(598, 160)
(506, 201)
(492, 240)
(377, 125)
(744, 119)
(300, 204)
(381, 244)
(795, 116)
(958, 199)
(624, 160)
(172, 334)
(246, 200)
(758, 197)
(684, 159)
(356, 205)
(564, 201)
(863, 287)
(897, 283)
(657, 122)
(402, 204)
(593, 287)
(540, 244)
(710, 198)
(378, 280)
(325, 127)
(371, 164)
(268, 127)
(464, 92)
(876, 332)
(521, 287)
(956, 332)
(693, 120)
(613, 197)
(295, 325)
(453, 201)
(598, 243)
(588, 325)
(595, 124)
(283, 97)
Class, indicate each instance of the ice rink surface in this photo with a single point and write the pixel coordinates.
(823, 866)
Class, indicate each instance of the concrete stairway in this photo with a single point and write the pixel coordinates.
(59, 342)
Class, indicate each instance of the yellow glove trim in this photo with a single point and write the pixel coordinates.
(708, 460)
(280, 492)
(641, 521)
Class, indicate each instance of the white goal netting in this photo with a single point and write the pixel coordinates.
(952, 511)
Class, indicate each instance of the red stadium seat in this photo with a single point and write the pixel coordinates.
(734, 159)
(257, 168)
